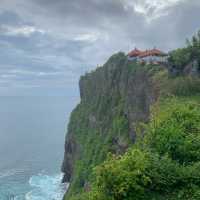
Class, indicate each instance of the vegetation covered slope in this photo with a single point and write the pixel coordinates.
(124, 103)
(163, 165)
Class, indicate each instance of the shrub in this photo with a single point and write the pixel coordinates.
(123, 177)
(177, 133)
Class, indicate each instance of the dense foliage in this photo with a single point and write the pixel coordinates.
(165, 165)
(181, 57)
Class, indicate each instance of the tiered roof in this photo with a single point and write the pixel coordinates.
(152, 52)
(142, 54)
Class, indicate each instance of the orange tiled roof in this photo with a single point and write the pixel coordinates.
(152, 52)
(142, 54)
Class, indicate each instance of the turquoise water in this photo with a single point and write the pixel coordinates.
(32, 132)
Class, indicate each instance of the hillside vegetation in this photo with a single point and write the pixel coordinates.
(136, 132)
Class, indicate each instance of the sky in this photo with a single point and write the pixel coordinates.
(46, 45)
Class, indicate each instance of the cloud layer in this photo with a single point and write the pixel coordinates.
(45, 45)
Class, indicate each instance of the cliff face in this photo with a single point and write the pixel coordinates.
(114, 98)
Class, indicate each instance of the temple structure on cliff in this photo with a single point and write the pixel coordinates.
(154, 56)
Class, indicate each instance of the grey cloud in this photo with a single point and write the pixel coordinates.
(80, 34)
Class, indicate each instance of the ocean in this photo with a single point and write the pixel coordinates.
(32, 134)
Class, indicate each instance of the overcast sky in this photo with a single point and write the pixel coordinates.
(45, 45)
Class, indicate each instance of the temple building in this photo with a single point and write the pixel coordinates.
(149, 56)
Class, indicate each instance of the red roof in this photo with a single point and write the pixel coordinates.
(134, 53)
(142, 54)
(153, 52)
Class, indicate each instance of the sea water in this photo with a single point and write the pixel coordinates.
(32, 132)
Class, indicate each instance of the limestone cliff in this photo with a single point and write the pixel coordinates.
(114, 98)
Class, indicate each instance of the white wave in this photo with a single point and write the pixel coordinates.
(46, 187)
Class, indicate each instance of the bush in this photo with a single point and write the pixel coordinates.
(177, 133)
(123, 177)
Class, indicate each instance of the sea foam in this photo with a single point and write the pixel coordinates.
(45, 187)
